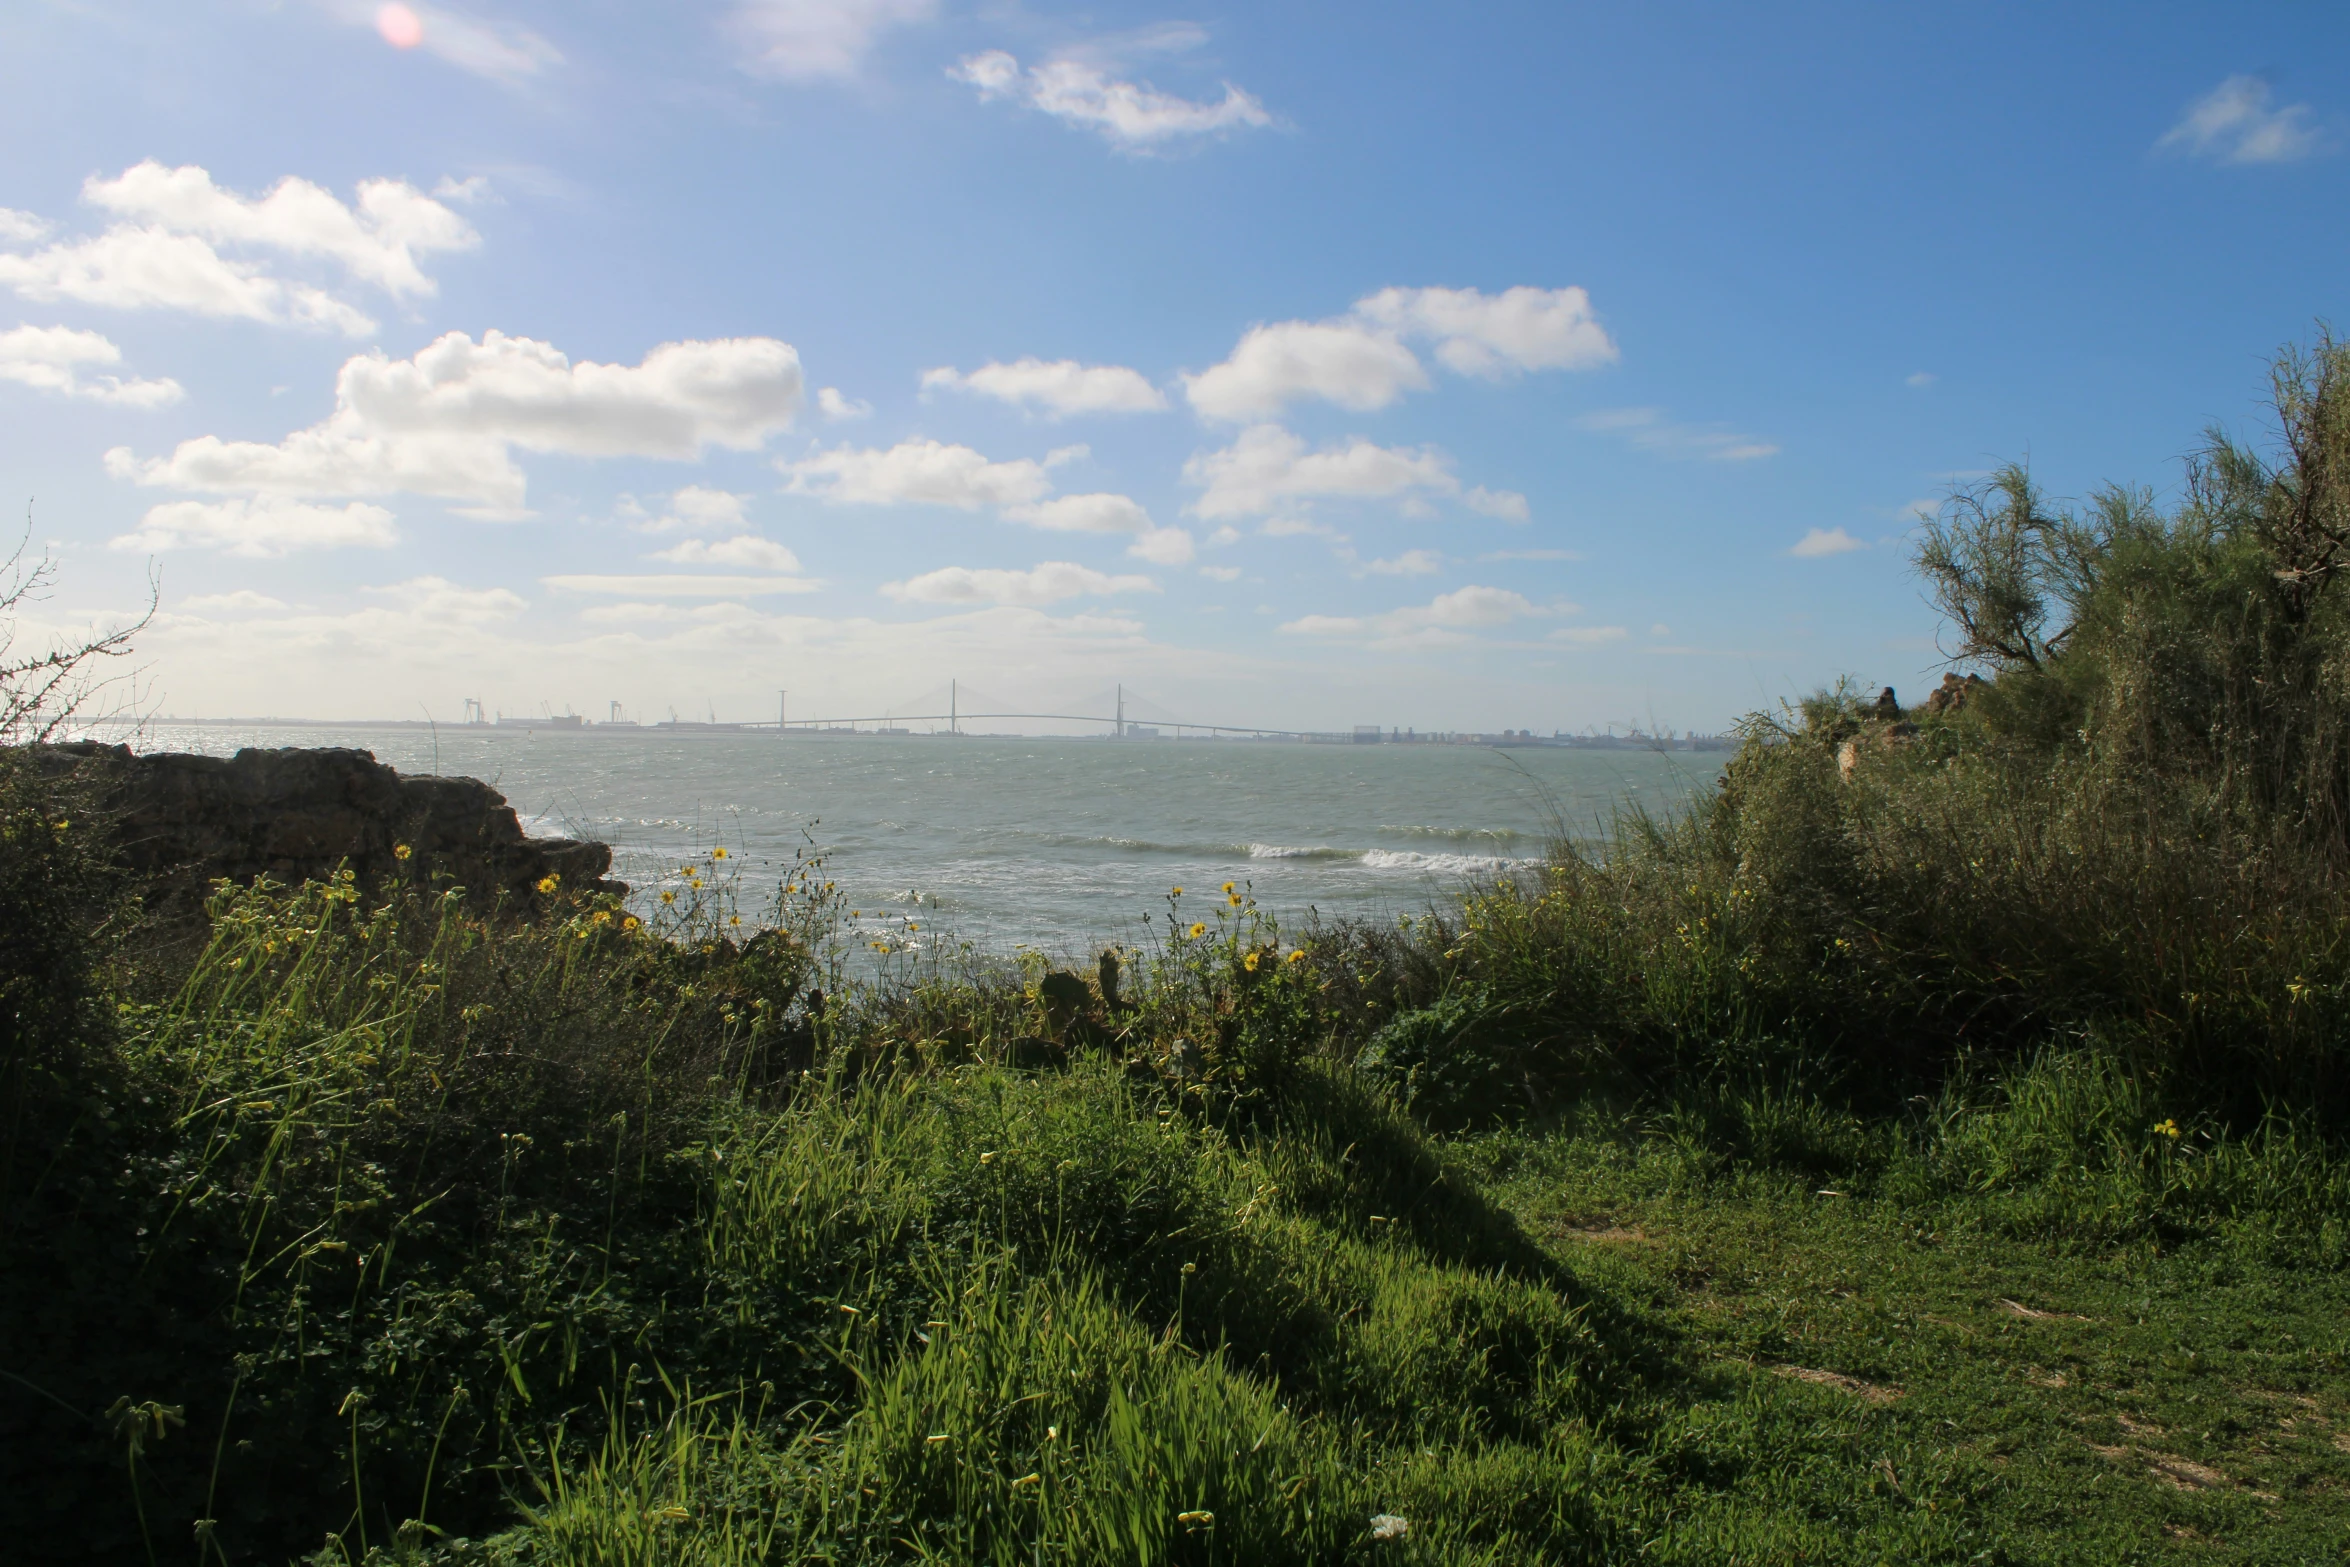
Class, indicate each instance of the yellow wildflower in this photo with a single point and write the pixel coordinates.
(2167, 1128)
(401, 851)
(1228, 888)
(548, 884)
(1179, 892)
(1297, 955)
(1234, 900)
(668, 895)
(1249, 963)
(718, 853)
(734, 919)
(632, 923)
(1198, 931)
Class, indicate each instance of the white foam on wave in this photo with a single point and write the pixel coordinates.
(1436, 864)
(1283, 851)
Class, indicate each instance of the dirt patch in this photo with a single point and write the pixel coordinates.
(2040, 1378)
(2138, 1428)
(1866, 1392)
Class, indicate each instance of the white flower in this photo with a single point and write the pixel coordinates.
(1388, 1526)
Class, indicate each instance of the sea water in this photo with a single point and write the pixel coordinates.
(1053, 843)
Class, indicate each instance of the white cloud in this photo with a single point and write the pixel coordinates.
(1447, 615)
(1498, 335)
(835, 406)
(499, 51)
(1220, 573)
(53, 358)
(446, 422)
(1411, 563)
(1920, 380)
(681, 586)
(1360, 360)
(925, 472)
(1590, 636)
(1163, 546)
(1532, 555)
(746, 550)
(2233, 123)
(803, 40)
(1133, 116)
(1223, 536)
(1056, 388)
(241, 599)
(1824, 541)
(1508, 505)
(1094, 513)
(1272, 366)
(1047, 584)
(694, 506)
(1660, 629)
(1267, 467)
(264, 527)
(22, 228)
(1648, 429)
(164, 253)
(437, 599)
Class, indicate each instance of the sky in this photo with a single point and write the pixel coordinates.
(1554, 366)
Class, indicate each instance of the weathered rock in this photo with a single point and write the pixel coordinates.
(299, 815)
(1888, 706)
(1952, 694)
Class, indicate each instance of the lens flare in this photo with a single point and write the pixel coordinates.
(401, 27)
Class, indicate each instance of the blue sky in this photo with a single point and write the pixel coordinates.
(1548, 366)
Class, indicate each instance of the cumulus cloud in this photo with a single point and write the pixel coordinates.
(1651, 431)
(1094, 513)
(1591, 636)
(1056, 388)
(2233, 123)
(695, 506)
(1163, 546)
(260, 528)
(1821, 542)
(1132, 116)
(447, 422)
(166, 250)
(1508, 505)
(1361, 360)
(929, 473)
(1496, 335)
(1049, 583)
(1446, 616)
(1341, 362)
(22, 228)
(1266, 468)
(806, 40)
(1220, 573)
(681, 585)
(54, 359)
(438, 599)
(836, 406)
(746, 550)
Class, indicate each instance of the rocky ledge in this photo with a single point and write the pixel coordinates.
(299, 815)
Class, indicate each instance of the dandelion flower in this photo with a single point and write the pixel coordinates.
(401, 851)
(1198, 931)
(718, 853)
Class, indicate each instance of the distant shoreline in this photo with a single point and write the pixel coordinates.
(537, 727)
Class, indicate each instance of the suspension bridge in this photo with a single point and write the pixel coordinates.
(1127, 716)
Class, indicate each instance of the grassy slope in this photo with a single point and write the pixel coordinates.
(2047, 1403)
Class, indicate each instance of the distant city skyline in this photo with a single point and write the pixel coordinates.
(1549, 366)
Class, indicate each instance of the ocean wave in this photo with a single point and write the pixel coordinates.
(1459, 834)
(1437, 864)
(1282, 851)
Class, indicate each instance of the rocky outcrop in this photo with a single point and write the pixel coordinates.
(299, 815)
(1952, 694)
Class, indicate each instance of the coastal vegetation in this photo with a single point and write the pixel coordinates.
(1929, 1145)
